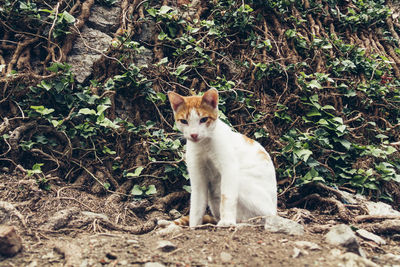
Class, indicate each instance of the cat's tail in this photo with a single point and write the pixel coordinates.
(184, 220)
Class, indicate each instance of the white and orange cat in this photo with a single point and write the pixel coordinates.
(228, 171)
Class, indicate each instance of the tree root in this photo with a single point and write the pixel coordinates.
(343, 213)
(136, 230)
(11, 210)
(120, 193)
(366, 218)
(69, 42)
(162, 203)
(386, 227)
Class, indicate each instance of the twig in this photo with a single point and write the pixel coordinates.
(365, 218)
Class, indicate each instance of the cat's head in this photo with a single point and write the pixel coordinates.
(195, 116)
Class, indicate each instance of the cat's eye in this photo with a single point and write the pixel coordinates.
(203, 120)
(184, 121)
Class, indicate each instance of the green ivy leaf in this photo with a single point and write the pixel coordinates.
(180, 69)
(164, 10)
(162, 35)
(106, 186)
(68, 17)
(303, 154)
(87, 111)
(151, 190)
(136, 190)
(101, 109)
(187, 188)
(136, 173)
(314, 84)
(314, 112)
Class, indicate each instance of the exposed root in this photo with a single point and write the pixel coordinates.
(367, 218)
(136, 230)
(69, 42)
(9, 209)
(343, 213)
(385, 227)
(162, 203)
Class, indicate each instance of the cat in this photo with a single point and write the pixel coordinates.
(230, 173)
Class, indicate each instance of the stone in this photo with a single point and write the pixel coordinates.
(370, 236)
(307, 245)
(143, 57)
(296, 252)
(105, 19)
(391, 257)
(342, 235)
(148, 31)
(165, 246)
(34, 263)
(60, 219)
(277, 224)
(225, 257)
(10, 241)
(87, 50)
(174, 214)
(353, 260)
(380, 208)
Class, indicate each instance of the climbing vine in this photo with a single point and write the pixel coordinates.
(316, 82)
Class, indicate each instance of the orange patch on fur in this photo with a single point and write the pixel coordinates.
(223, 199)
(184, 220)
(264, 155)
(248, 140)
(195, 102)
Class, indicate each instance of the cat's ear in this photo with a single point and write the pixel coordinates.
(175, 99)
(211, 98)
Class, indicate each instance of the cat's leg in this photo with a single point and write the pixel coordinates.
(229, 197)
(198, 197)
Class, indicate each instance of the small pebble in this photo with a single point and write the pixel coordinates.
(225, 257)
(165, 246)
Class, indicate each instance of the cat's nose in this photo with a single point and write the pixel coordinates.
(194, 136)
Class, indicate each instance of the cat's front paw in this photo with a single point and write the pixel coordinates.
(226, 223)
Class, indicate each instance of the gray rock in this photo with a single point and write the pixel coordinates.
(165, 246)
(296, 252)
(370, 236)
(278, 224)
(380, 208)
(60, 219)
(342, 235)
(10, 241)
(105, 19)
(353, 260)
(143, 57)
(148, 31)
(391, 257)
(307, 245)
(87, 50)
(225, 257)
(174, 214)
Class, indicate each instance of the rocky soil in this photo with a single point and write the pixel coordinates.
(66, 226)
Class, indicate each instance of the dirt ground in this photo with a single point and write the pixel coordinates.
(74, 241)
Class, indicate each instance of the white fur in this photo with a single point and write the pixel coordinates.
(223, 165)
